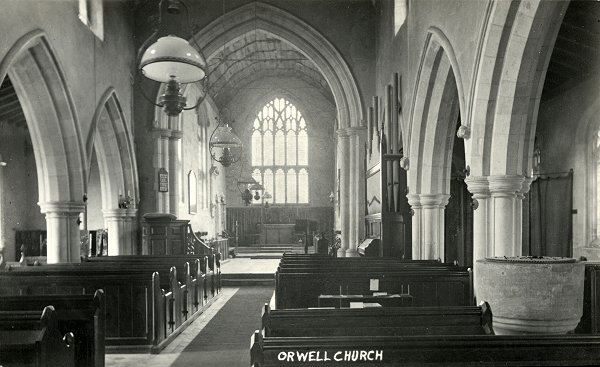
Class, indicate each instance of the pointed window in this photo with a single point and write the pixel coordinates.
(280, 152)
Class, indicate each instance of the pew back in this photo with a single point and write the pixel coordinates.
(26, 339)
(427, 350)
(461, 320)
(83, 315)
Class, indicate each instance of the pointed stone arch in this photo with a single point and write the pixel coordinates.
(437, 101)
(51, 119)
(517, 45)
(111, 139)
(60, 156)
(283, 25)
(517, 42)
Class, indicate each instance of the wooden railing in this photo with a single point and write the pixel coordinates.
(194, 245)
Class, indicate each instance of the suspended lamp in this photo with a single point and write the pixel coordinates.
(266, 198)
(225, 147)
(256, 188)
(171, 60)
(244, 183)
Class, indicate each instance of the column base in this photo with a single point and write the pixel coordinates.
(351, 253)
(341, 252)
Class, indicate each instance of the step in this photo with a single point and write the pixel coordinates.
(247, 279)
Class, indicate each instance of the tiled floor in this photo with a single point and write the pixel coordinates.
(172, 351)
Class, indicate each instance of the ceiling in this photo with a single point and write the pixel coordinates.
(255, 56)
(576, 52)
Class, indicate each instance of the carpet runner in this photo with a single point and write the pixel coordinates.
(225, 341)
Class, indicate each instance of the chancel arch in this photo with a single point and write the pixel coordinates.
(267, 18)
(57, 141)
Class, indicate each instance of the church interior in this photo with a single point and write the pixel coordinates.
(299, 183)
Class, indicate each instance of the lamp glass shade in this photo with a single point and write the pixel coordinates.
(246, 180)
(223, 137)
(172, 57)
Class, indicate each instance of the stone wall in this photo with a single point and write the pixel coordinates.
(565, 123)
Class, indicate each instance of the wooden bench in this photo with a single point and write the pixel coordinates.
(83, 315)
(32, 338)
(300, 280)
(145, 310)
(149, 264)
(461, 320)
(210, 265)
(426, 350)
(427, 287)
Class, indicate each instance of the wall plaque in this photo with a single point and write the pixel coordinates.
(163, 180)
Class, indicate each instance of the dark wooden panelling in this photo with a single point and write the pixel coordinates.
(249, 219)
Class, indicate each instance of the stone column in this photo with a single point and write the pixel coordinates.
(63, 241)
(356, 183)
(482, 217)
(161, 160)
(428, 244)
(497, 219)
(121, 231)
(506, 201)
(174, 171)
(345, 217)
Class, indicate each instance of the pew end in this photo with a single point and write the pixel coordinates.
(37, 342)
(486, 318)
(256, 349)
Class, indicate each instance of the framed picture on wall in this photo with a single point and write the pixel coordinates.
(192, 192)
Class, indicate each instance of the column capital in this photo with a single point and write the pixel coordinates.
(479, 186)
(428, 200)
(67, 207)
(508, 186)
(176, 134)
(160, 132)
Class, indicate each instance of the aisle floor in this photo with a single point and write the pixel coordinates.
(183, 350)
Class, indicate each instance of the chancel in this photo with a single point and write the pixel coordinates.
(299, 182)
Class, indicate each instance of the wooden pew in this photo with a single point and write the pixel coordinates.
(426, 350)
(133, 298)
(26, 339)
(210, 265)
(428, 287)
(300, 280)
(392, 321)
(83, 315)
(149, 264)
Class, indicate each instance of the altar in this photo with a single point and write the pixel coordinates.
(277, 234)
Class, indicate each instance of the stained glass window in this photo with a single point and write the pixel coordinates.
(280, 152)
